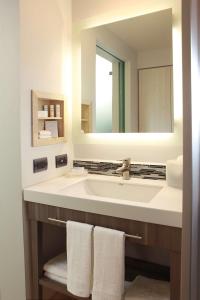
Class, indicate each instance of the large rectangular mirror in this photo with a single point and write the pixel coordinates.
(127, 75)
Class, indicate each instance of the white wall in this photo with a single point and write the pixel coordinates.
(93, 9)
(141, 147)
(12, 277)
(46, 67)
(42, 31)
(154, 58)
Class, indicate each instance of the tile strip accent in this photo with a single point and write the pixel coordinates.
(144, 171)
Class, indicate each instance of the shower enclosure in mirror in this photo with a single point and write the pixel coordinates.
(127, 75)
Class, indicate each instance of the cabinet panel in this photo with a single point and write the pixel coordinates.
(128, 226)
(164, 237)
(153, 235)
(155, 100)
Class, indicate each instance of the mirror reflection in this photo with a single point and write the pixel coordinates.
(127, 75)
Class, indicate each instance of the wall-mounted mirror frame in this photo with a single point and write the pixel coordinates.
(78, 136)
(132, 63)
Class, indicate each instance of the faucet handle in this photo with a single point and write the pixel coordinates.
(127, 160)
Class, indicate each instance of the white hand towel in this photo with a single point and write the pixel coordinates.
(145, 288)
(108, 277)
(79, 258)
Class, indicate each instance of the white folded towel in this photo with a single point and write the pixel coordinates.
(57, 266)
(56, 278)
(79, 258)
(174, 173)
(45, 137)
(148, 289)
(45, 132)
(108, 277)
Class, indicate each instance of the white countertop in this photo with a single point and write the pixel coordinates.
(165, 208)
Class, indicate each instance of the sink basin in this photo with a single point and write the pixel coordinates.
(115, 190)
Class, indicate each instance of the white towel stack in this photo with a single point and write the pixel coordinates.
(148, 289)
(56, 268)
(108, 276)
(79, 258)
(45, 134)
(174, 172)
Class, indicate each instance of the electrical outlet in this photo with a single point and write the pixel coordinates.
(61, 160)
(40, 164)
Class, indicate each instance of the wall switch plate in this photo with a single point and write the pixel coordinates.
(61, 160)
(40, 164)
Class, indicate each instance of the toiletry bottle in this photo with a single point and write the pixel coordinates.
(51, 111)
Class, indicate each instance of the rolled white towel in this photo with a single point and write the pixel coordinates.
(174, 173)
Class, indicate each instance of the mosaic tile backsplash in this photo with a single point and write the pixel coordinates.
(144, 171)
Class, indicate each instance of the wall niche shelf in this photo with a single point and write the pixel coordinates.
(39, 99)
(86, 119)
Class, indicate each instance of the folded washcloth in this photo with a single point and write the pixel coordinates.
(62, 280)
(108, 277)
(79, 258)
(57, 266)
(45, 137)
(45, 133)
(148, 289)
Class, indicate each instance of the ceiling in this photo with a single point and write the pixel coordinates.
(147, 32)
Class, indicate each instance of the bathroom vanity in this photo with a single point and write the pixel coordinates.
(139, 95)
(152, 220)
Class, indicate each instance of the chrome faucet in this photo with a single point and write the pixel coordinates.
(125, 169)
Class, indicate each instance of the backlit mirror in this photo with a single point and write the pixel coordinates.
(127, 75)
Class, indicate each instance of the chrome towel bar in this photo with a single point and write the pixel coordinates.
(136, 237)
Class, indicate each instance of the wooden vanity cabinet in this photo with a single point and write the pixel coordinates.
(38, 225)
